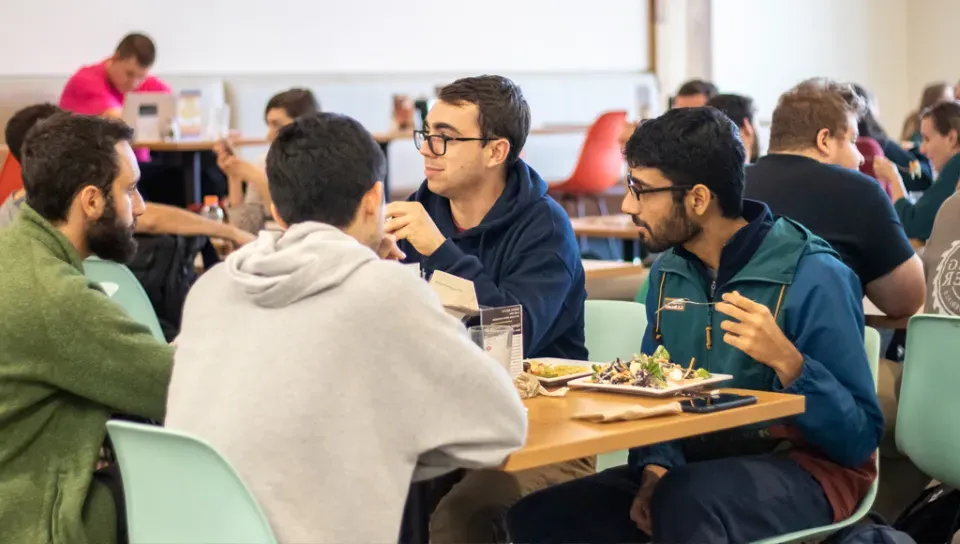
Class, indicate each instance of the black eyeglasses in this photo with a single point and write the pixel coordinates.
(438, 142)
(636, 191)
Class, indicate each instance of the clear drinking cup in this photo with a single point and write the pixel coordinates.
(496, 341)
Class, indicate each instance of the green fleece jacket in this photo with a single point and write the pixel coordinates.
(918, 218)
(69, 359)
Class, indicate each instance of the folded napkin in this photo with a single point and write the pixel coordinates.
(529, 386)
(629, 413)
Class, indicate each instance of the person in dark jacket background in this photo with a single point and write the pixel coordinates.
(483, 215)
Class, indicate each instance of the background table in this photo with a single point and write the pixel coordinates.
(610, 226)
(597, 269)
(189, 153)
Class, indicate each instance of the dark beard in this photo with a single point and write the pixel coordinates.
(110, 240)
(675, 230)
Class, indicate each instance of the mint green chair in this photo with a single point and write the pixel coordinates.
(644, 289)
(179, 490)
(871, 341)
(124, 288)
(927, 430)
(613, 328)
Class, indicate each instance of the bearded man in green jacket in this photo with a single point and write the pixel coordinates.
(70, 358)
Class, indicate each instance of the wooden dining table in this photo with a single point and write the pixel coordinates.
(553, 436)
(603, 270)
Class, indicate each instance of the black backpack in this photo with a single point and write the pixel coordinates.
(934, 517)
(164, 264)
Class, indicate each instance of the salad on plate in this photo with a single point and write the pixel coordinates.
(650, 371)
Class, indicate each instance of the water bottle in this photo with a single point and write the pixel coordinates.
(211, 208)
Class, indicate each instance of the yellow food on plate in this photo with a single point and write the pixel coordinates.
(555, 371)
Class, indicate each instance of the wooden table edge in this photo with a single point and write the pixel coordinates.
(785, 406)
(627, 271)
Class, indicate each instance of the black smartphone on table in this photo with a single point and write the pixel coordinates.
(707, 404)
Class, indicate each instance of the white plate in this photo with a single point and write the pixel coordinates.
(587, 383)
(560, 380)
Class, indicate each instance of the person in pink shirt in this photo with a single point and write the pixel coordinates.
(98, 89)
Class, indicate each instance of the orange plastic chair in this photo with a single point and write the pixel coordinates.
(11, 180)
(599, 167)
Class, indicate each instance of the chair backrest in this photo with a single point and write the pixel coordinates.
(614, 328)
(600, 165)
(927, 430)
(179, 490)
(125, 289)
(11, 179)
(871, 342)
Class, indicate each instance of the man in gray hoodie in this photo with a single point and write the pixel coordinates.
(344, 378)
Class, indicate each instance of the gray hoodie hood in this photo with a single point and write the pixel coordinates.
(279, 269)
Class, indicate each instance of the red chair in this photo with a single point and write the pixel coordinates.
(599, 167)
(11, 180)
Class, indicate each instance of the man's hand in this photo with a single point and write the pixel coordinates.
(410, 221)
(389, 250)
(640, 510)
(887, 172)
(230, 164)
(755, 332)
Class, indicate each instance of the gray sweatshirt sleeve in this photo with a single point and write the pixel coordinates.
(461, 406)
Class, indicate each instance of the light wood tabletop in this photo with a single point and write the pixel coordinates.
(606, 226)
(553, 436)
(196, 145)
(599, 270)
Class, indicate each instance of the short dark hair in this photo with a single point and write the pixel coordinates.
(295, 102)
(945, 117)
(697, 86)
(808, 108)
(319, 168)
(693, 146)
(64, 154)
(503, 112)
(868, 125)
(139, 46)
(22, 122)
(735, 106)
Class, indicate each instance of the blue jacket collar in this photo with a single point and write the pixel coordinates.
(740, 248)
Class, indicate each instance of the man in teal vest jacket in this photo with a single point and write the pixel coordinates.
(767, 302)
(70, 358)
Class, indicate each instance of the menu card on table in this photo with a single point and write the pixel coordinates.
(459, 298)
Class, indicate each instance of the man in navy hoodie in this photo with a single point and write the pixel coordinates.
(484, 215)
(771, 304)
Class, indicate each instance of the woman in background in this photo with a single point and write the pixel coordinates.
(874, 141)
(940, 140)
(933, 94)
(251, 210)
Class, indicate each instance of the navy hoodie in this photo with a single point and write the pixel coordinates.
(523, 252)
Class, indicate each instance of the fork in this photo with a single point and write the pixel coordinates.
(680, 302)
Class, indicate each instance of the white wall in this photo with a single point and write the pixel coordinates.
(933, 48)
(763, 47)
(54, 37)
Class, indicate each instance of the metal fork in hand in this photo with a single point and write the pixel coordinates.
(681, 302)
